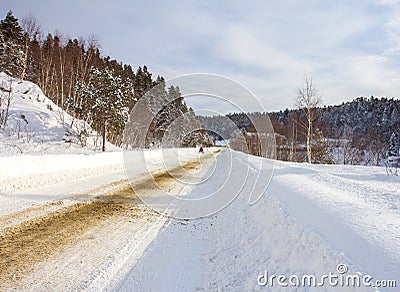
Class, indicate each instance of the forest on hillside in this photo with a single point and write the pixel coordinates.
(78, 78)
(356, 132)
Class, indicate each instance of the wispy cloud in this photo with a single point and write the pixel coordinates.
(350, 48)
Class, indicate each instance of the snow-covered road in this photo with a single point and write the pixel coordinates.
(311, 219)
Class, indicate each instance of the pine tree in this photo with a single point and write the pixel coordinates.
(394, 117)
(3, 52)
(321, 152)
(172, 124)
(167, 106)
(385, 116)
(393, 149)
(12, 53)
(194, 133)
(106, 99)
(143, 82)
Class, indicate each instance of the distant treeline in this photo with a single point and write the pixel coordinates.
(356, 132)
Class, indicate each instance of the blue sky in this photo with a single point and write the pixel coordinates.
(350, 48)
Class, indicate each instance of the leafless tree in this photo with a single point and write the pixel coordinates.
(32, 30)
(307, 100)
(31, 26)
(5, 102)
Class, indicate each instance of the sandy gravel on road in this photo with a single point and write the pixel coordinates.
(23, 246)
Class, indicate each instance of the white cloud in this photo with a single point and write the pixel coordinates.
(360, 76)
(350, 48)
(393, 33)
(386, 2)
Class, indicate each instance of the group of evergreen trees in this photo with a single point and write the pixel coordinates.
(13, 49)
(76, 76)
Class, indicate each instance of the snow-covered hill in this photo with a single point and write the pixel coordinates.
(36, 125)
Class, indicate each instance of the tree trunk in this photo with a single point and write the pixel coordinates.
(25, 65)
(293, 139)
(104, 136)
(309, 141)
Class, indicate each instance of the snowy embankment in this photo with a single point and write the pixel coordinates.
(33, 179)
(24, 172)
(355, 209)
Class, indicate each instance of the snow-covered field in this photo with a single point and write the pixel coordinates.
(311, 219)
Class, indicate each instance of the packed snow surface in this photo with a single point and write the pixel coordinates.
(311, 219)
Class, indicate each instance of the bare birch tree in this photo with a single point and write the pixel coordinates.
(307, 100)
(32, 29)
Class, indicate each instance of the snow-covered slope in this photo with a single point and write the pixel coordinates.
(37, 125)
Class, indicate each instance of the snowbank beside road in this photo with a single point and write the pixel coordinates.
(23, 172)
(356, 209)
(31, 180)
